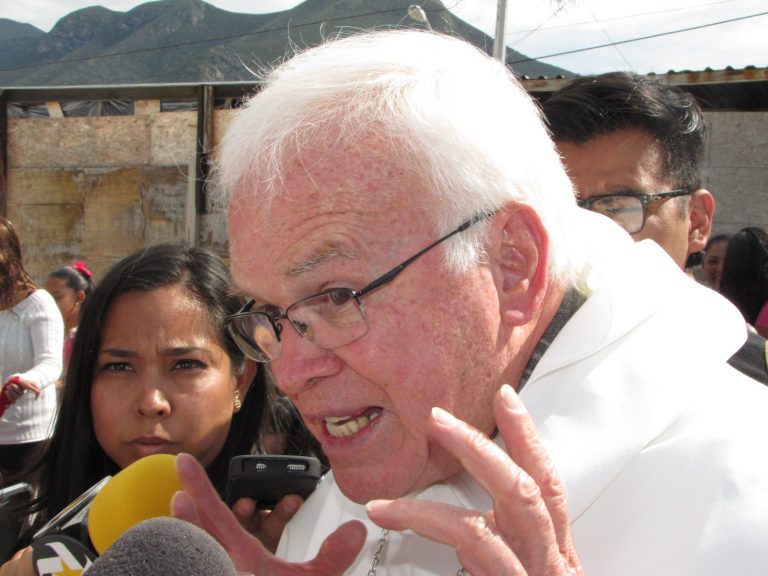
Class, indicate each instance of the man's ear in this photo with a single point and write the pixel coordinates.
(245, 376)
(520, 263)
(701, 213)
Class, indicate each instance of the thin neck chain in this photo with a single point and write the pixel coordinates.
(380, 548)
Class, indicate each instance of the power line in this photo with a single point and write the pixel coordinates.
(619, 18)
(639, 38)
(610, 40)
(363, 15)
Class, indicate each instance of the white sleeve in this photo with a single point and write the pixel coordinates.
(46, 329)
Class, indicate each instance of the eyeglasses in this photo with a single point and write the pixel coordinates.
(628, 209)
(330, 319)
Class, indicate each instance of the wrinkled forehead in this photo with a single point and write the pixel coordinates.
(341, 197)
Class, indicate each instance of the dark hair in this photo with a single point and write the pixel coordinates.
(288, 433)
(745, 271)
(715, 240)
(12, 273)
(75, 279)
(592, 106)
(76, 460)
(694, 259)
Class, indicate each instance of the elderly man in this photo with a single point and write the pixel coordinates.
(467, 344)
(633, 148)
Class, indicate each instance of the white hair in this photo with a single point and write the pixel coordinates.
(451, 112)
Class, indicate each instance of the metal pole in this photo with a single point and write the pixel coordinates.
(499, 46)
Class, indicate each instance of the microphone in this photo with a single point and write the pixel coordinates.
(163, 547)
(140, 491)
(97, 518)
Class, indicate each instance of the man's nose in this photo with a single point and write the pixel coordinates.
(301, 363)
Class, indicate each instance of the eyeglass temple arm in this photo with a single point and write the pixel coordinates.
(670, 194)
(389, 276)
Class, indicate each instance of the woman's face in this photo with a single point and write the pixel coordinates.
(713, 263)
(66, 299)
(163, 382)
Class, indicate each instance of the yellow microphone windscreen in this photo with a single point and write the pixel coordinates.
(138, 492)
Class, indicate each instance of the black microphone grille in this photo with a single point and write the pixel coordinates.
(163, 547)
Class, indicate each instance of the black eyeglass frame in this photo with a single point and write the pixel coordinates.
(389, 276)
(645, 200)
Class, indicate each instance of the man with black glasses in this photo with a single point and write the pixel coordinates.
(501, 381)
(633, 147)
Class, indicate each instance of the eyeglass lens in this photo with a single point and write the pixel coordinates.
(626, 211)
(329, 320)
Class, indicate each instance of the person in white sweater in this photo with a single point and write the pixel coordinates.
(31, 341)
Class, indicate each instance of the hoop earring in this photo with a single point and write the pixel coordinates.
(237, 401)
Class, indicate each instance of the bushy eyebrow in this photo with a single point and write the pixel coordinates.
(321, 256)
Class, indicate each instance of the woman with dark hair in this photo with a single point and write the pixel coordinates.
(154, 371)
(70, 286)
(714, 258)
(31, 334)
(745, 275)
(155, 282)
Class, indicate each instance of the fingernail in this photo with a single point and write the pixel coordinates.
(442, 417)
(510, 398)
(377, 505)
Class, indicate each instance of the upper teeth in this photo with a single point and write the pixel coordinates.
(341, 426)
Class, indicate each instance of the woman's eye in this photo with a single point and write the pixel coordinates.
(188, 364)
(116, 367)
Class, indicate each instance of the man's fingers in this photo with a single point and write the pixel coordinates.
(521, 511)
(184, 508)
(212, 513)
(197, 489)
(339, 550)
(480, 548)
(485, 461)
(201, 501)
(526, 449)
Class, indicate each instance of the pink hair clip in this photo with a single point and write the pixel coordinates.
(80, 267)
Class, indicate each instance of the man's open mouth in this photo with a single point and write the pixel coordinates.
(343, 426)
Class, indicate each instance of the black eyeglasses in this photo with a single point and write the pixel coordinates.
(628, 209)
(329, 319)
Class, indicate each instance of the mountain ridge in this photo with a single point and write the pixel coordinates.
(190, 41)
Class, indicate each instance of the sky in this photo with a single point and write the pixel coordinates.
(583, 36)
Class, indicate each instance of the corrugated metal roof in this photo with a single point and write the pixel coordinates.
(743, 89)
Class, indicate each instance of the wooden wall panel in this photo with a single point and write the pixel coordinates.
(79, 142)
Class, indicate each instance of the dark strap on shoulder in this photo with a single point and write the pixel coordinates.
(752, 358)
